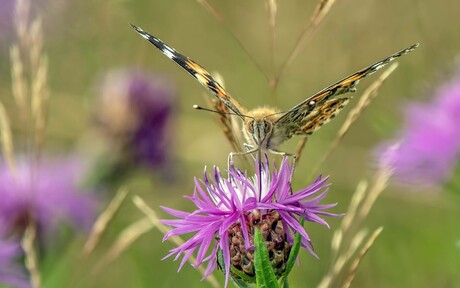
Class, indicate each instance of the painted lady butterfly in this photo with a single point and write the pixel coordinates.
(265, 128)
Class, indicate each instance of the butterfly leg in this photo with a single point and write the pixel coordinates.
(230, 156)
(294, 156)
(248, 146)
(282, 153)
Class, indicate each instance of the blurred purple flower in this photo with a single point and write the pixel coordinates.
(229, 210)
(11, 273)
(46, 193)
(428, 147)
(6, 16)
(134, 111)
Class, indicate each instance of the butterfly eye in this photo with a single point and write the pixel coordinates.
(250, 126)
(267, 126)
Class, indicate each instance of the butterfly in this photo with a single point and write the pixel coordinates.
(264, 129)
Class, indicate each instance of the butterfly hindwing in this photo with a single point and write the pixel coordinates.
(194, 69)
(321, 116)
(230, 125)
(305, 118)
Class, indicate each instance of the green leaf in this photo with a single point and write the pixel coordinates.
(285, 282)
(265, 275)
(292, 257)
(294, 252)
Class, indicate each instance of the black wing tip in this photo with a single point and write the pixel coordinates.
(412, 47)
(137, 29)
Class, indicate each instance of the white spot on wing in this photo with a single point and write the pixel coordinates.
(168, 53)
(169, 49)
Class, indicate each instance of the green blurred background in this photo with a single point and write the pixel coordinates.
(420, 244)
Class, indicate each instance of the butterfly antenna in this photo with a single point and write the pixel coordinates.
(218, 112)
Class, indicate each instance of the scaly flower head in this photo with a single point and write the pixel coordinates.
(230, 209)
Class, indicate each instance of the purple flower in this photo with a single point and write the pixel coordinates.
(44, 192)
(11, 273)
(134, 111)
(229, 210)
(428, 147)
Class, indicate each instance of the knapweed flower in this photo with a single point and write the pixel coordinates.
(11, 273)
(44, 192)
(427, 149)
(229, 209)
(134, 111)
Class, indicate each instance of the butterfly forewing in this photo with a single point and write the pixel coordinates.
(194, 69)
(308, 116)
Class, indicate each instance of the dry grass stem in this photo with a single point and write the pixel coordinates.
(18, 81)
(349, 218)
(356, 200)
(102, 222)
(211, 10)
(379, 184)
(360, 206)
(354, 265)
(140, 203)
(39, 101)
(35, 69)
(300, 147)
(338, 265)
(36, 44)
(336, 241)
(125, 239)
(31, 259)
(21, 20)
(218, 16)
(272, 10)
(39, 78)
(321, 10)
(7, 139)
(354, 114)
(152, 215)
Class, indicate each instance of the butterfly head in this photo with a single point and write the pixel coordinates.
(259, 129)
(259, 126)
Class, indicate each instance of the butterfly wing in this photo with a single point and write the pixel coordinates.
(322, 115)
(196, 70)
(309, 115)
(230, 125)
